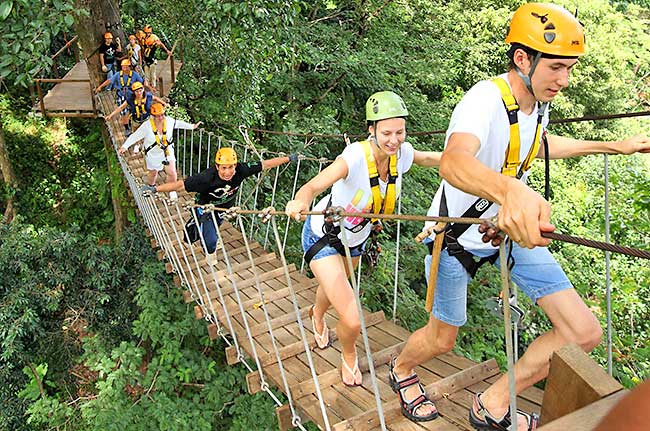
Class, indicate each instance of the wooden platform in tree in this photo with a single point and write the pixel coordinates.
(71, 96)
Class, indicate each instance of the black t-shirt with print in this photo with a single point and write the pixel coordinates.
(211, 189)
(109, 52)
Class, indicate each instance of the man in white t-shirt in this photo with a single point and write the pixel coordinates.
(365, 178)
(483, 163)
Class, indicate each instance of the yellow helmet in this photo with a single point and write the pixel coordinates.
(136, 85)
(147, 29)
(547, 28)
(108, 35)
(125, 62)
(225, 156)
(157, 109)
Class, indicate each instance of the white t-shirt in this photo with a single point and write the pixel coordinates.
(156, 155)
(354, 194)
(481, 113)
(135, 57)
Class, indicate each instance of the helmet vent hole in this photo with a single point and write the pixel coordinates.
(550, 26)
(549, 37)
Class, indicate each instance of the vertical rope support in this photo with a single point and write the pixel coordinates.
(275, 185)
(241, 189)
(178, 138)
(293, 193)
(257, 190)
(263, 384)
(364, 331)
(239, 303)
(218, 286)
(608, 280)
(313, 201)
(191, 150)
(209, 157)
(198, 165)
(219, 144)
(296, 310)
(507, 321)
(396, 279)
(208, 308)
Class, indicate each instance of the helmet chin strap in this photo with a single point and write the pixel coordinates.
(527, 78)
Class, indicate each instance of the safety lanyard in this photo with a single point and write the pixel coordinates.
(164, 145)
(512, 152)
(128, 81)
(379, 205)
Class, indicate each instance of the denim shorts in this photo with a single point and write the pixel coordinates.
(309, 238)
(535, 272)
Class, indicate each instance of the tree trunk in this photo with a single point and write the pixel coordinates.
(103, 15)
(118, 192)
(8, 177)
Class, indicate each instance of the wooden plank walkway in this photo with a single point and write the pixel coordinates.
(75, 98)
(451, 379)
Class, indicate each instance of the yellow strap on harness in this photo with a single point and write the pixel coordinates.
(164, 145)
(128, 81)
(512, 152)
(379, 205)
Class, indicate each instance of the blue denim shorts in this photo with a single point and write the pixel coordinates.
(535, 272)
(309, 238)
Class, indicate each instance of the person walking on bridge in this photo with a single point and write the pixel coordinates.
(218, 186)
(121, 82)
(138, 104)
(366, 177)
(158, 136)
(494, 134)
(150, 44)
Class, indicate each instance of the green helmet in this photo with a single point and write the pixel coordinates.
(383, 105)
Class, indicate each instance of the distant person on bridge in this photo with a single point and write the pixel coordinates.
(108, 51)
(158, 135)
(498, 123)
(121, 82)
(150, 44)
(218, 185)
(134, 53)
(138, 104)
(366, 177)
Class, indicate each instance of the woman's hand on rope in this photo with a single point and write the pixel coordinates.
(635, 144)
(294, 209)
(524, 214)
(121, 150)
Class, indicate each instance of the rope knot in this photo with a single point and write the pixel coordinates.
(231, 213)
(296, 421)
(266, 214)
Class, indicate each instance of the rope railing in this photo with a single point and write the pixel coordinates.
(187, 260)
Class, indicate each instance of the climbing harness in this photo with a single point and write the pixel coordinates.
(140, 109)
(380, 205)
(478, 208)
(128, 81)
(164, 145)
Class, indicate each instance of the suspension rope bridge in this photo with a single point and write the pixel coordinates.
(257, 303)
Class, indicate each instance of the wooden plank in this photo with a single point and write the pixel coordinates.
(271, 296)
(283, 413)
(435, 391)
(232, 357)
(332, 377)
(227, 288)
(587, 417)
(298, 347)
(253, 382)
(279, 321)
(574, 381)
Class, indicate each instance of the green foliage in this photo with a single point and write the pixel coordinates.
(61, 170)
(28, 29)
